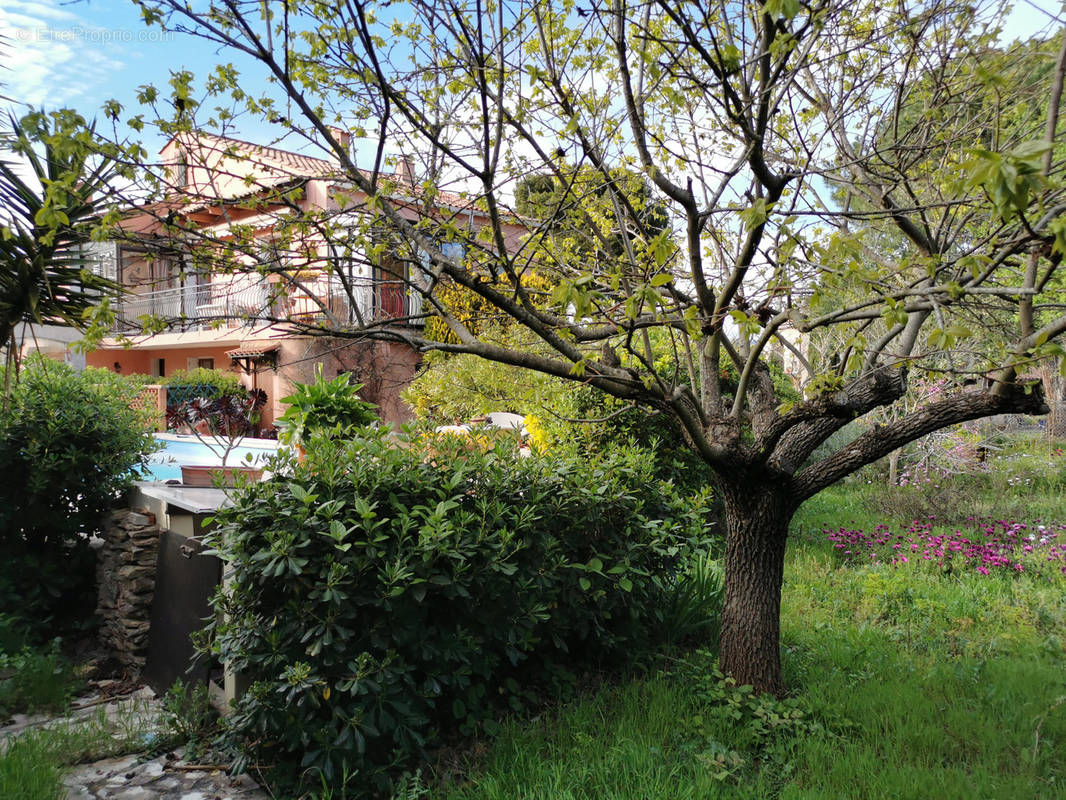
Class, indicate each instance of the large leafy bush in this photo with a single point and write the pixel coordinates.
(69, 444)
(324, 406)
(382, 596)
(212, 402)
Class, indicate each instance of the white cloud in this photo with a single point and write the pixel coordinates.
(41, 8)
(53, 56)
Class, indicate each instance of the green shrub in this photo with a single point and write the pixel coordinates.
(382, 597)
(692, 603)
(14, 634)
(184, 385)
(324, 406)
(69, 444)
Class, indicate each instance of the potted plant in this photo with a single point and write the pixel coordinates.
(220, 424)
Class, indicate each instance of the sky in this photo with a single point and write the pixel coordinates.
(78, 54)
(81, 53)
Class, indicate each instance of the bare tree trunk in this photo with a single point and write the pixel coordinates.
(757, 520)
(1055, 390)
(893, 468)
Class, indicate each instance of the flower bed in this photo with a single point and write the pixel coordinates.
(983, 546)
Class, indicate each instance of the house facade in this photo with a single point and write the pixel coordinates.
(181, 311)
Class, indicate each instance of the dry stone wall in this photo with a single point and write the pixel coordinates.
(125, 575)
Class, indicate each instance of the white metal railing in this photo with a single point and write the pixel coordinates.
(195, 306)
(204, 305)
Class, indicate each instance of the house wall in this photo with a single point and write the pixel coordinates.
(139, 362)
(174, 359)
(125, 362)
(384, 369)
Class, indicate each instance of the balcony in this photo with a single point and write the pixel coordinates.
(195, 307)
(365, 301)
(230, 304)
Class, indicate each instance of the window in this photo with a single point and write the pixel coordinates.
(453, 250)
(351, 288)
(159, 367)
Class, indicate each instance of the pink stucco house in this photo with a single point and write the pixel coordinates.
(234, 320)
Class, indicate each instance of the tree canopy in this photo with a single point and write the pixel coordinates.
(51, 176)
(777, 137)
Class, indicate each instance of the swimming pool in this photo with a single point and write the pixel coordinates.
(177, 449)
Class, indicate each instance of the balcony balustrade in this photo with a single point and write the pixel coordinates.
(194, 307)
(210, 305)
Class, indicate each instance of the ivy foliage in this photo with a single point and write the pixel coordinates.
(383, 597)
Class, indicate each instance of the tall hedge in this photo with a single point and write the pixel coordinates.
(69, 444)
(381, 597)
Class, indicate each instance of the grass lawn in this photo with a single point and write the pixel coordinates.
(924, 678)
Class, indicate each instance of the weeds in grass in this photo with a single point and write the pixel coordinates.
(32, 763)
(38, 680)
(410, 787)
(908, 682)
(735, 732)
(30, 769)
(951, 499)
(187, 718)
(622, 743)
(693, 604)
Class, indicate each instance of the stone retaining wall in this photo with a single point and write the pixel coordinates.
(125, 577)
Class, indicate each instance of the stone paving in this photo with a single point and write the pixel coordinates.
(136, 776)
(164, 778)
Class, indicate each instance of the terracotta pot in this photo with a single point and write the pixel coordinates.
(209, 476)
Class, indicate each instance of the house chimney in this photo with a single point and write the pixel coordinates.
(406, 166)
(343, 137)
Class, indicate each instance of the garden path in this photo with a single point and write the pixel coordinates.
(137, 776)
(166, 777)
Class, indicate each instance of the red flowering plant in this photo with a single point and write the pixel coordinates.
(220, 423)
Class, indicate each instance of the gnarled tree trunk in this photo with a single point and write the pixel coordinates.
(757, 516)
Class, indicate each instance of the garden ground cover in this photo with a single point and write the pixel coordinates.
(939, 677)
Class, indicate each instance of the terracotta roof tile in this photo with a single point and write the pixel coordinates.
(272, 158)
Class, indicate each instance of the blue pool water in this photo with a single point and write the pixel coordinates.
(177, 449)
